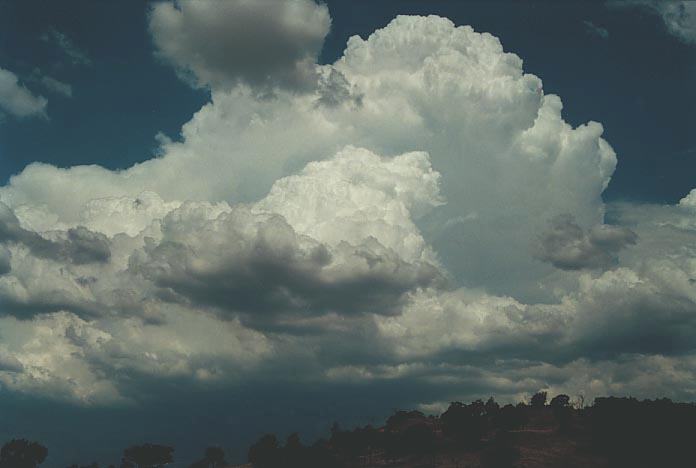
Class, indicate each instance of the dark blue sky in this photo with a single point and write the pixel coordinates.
(638, 81)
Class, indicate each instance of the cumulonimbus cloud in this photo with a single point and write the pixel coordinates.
(385, 223)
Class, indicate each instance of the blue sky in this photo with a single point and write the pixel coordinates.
(219, 219)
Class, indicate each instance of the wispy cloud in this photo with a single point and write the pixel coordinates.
(679, 17)
(56, 86)
(17, 100)
(595, 30)
(76, 55)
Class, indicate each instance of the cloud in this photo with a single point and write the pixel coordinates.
(595, 30)
(566, 246)
(75, 54)
(17, 100)
(337, 237)
(79, 245)
(461, 98)
(678, 16)
(263, 44)
(56, 86)
(380, 231)
(5, 261)
(9, 363)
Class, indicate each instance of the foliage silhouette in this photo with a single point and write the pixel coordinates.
(148, 456)
(21, 453)
(214, 457)
(538, 400)
(613, 432)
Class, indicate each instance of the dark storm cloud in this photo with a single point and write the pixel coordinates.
(81, 246)
(261, 43)
(5, 261)
(567, 246)
(267, 281)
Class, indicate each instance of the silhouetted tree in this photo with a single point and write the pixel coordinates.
(214, 457)
(538, 400)
(148, 455)
(417, 440)
(511, 417)
(560, 401)
(321, 456)
(20, 453)
(467, 423)
(492, 407)
(264, 453)
(560, 404)
(400, 420)
(636, 433)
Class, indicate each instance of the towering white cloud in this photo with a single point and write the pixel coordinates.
(420, 212)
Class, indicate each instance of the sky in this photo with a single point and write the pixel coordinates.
(219, 219)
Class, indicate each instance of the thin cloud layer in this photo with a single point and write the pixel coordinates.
(420, 215)
(72, 52)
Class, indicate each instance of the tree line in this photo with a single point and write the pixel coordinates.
(624, 431)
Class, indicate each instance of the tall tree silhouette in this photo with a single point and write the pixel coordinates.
(539, 400)
(148, 456)
(20, 453)
(214, 457)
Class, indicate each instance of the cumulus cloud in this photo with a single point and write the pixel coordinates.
(460, 98)
(78, 246)
(56, 86)
(17, 100)
(384, 226)
(337, 237)
(567, 246)
(263, 44)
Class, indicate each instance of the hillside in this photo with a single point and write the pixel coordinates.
(614, 432)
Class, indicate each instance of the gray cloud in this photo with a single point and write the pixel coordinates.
(17, 100)
(5, 261)
(80, 246)
(9, 363)
(567, 246)
(261, 43)
(334, 89)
